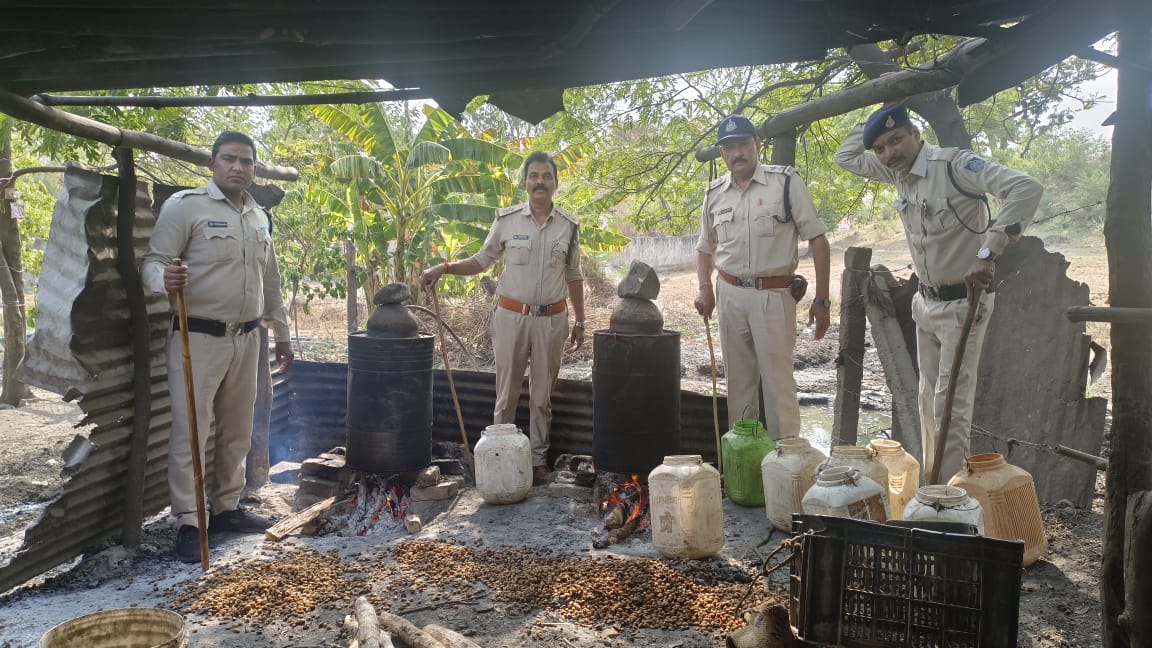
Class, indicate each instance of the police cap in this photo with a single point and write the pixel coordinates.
(883, 120)
(734, 127)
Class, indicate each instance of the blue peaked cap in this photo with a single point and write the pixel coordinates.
(736, 126)
(883, 120)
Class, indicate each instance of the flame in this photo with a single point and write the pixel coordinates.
(632, 496)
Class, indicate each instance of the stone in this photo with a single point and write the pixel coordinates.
(284, 472)
(641, 282)
(392, 321)
(327, 467)
(449, 466)
(636, 317)
(412, 523)
(570, 490)
(393, 293)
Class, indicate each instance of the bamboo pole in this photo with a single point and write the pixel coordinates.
(193, 432)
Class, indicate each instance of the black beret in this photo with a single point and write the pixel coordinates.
(883, 120)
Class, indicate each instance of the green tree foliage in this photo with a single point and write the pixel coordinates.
(641, 135)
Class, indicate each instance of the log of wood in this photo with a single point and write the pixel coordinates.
(298, 520)
(411, 635)
(368, 634)
(450, 638)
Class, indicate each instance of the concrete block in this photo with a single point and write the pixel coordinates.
(319, 486)
(440, 491)
(430, 476)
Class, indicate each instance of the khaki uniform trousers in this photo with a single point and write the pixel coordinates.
(515, 339)
(938, 328)
(758, 340)
(224, 375)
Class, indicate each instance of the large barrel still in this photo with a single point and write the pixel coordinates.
(635, 382)
(389, 424)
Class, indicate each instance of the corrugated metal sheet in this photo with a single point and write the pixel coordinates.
(82, 348)
(319, 395)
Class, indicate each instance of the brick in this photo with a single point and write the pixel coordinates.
(285, 472)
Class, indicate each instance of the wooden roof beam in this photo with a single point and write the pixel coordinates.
(1037, 44)
(30, 111)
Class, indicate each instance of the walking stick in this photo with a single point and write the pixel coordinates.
(946, 419)
(451, 384)
(193, 432)
(715, 406)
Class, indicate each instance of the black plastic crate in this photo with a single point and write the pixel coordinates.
(869, 585)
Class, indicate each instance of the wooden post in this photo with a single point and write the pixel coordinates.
(353, 288)
(141, 350)
(256, 466)
(12, 291)
(1125, 589)
(899, 365)
(850, 361)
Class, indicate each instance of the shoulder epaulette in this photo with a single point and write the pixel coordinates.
(948, 153)
(570, 217)
(504, 211)
(779, 168)
(717, 182)
(189, 192)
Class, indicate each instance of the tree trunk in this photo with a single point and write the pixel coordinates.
(11, 292)
(350, 268)
(1128, 237)
(938, 107)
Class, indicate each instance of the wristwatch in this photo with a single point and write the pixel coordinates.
(820, 301)
(579, 324)
(986, 254)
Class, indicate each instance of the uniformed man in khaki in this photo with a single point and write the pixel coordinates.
(214, 244)
(751, 223)
(541, 247)
(954, 245)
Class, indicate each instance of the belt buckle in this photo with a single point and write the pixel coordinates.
(929, 292)
(746, 282)
(538, 310)
(234, 328)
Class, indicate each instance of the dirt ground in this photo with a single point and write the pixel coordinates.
(1059, 603)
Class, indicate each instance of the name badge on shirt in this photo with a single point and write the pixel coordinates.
(724, 211)
(519, 237)
(213, 223)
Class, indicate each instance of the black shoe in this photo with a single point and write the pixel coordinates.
(239, 521)
(187, 549)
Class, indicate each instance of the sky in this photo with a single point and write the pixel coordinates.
(1091, 119)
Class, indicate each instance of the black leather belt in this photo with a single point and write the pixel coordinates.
(951, 292)
(212, 327)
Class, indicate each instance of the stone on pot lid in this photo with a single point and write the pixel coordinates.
(393, 293)
(641, 282)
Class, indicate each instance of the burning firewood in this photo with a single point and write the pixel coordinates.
(298, 521)
(625, 510)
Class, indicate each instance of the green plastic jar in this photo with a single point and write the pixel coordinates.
(744, 448)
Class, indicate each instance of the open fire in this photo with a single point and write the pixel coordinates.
(624, 510)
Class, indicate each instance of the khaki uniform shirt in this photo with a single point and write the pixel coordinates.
(537, 265)
(945, 228)
(232, 271)
(742, 229)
